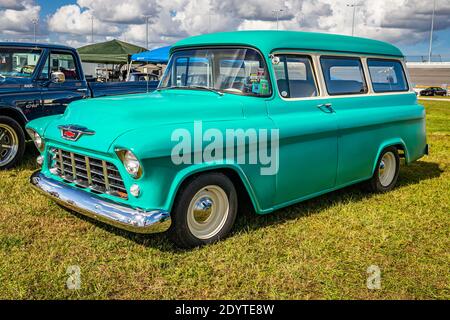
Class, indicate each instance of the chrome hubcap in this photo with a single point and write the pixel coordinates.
(9, 144)
(387, 168)
(208, 212)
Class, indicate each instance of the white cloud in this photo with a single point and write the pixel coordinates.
(397, 21)
(16, 16)
(120, 11)
(14, 4)
(71, 19)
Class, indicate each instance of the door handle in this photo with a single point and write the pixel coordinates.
(326, 106)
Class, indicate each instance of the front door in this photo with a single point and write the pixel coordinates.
(56, 96)
(308, 132)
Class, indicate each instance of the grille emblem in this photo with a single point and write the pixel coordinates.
(74, 132)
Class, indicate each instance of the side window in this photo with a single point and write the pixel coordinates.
(65, 63)
(387, 75)
(295, 77)
(343, 75)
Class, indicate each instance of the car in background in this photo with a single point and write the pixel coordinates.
(433, 91)
(140, 76)
(38, 80)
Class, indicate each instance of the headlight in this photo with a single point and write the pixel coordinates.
(130, 162)
(38, 142)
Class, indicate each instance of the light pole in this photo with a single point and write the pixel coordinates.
(354, 6)
(92, 28)
(209, 18)
(277, 12)
(431, 32)
(35, 22)
(146, 31)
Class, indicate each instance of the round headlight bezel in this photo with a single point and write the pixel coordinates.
(37, 139)
(130, 162)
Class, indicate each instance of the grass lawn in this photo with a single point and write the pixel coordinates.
(320, 249)
(436, 97)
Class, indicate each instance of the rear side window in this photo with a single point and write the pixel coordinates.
(295, 77)
(343, 75)
(387, 75)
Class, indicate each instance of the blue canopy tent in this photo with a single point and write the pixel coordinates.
(156, 56)
(160, 55)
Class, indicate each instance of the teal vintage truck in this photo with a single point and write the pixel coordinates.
(265, 118)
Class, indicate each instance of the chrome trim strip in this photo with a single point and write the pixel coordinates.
(74, 169)
(88, 170)
(61, 162)
(112, 213)
(105, 176)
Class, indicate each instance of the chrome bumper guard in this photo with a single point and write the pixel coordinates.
(113, 213)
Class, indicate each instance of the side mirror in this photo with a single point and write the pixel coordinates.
(58, 77)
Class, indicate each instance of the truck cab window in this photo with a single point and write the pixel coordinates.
(61, 62)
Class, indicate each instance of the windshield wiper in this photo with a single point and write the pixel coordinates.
(206, 88)
(192, 87)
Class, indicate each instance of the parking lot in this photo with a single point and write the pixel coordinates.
(318, 249)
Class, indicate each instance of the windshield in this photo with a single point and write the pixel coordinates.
(18, 62)
(231, 70)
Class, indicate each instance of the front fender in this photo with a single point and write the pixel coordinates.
(162, 177)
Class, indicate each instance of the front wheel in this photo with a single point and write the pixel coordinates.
(387, 171)
(12, 142)
(205, 210)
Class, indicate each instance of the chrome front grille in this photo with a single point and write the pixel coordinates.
(86, 172)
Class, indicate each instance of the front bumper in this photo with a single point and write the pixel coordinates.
(115, 214)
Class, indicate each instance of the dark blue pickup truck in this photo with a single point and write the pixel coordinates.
(38, 80)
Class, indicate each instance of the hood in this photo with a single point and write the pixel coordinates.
(112, 117)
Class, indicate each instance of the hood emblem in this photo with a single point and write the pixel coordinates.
(74, 132)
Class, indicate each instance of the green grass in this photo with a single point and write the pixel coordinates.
(437, 97)
(319, 249)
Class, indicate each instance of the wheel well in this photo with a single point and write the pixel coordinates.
(245, 203)
(401, 150)
(14, 115)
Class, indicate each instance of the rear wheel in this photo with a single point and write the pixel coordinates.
(205, 210)
(12, 142)
(386, 175)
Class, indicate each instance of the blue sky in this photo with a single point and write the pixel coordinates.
(405, 23)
